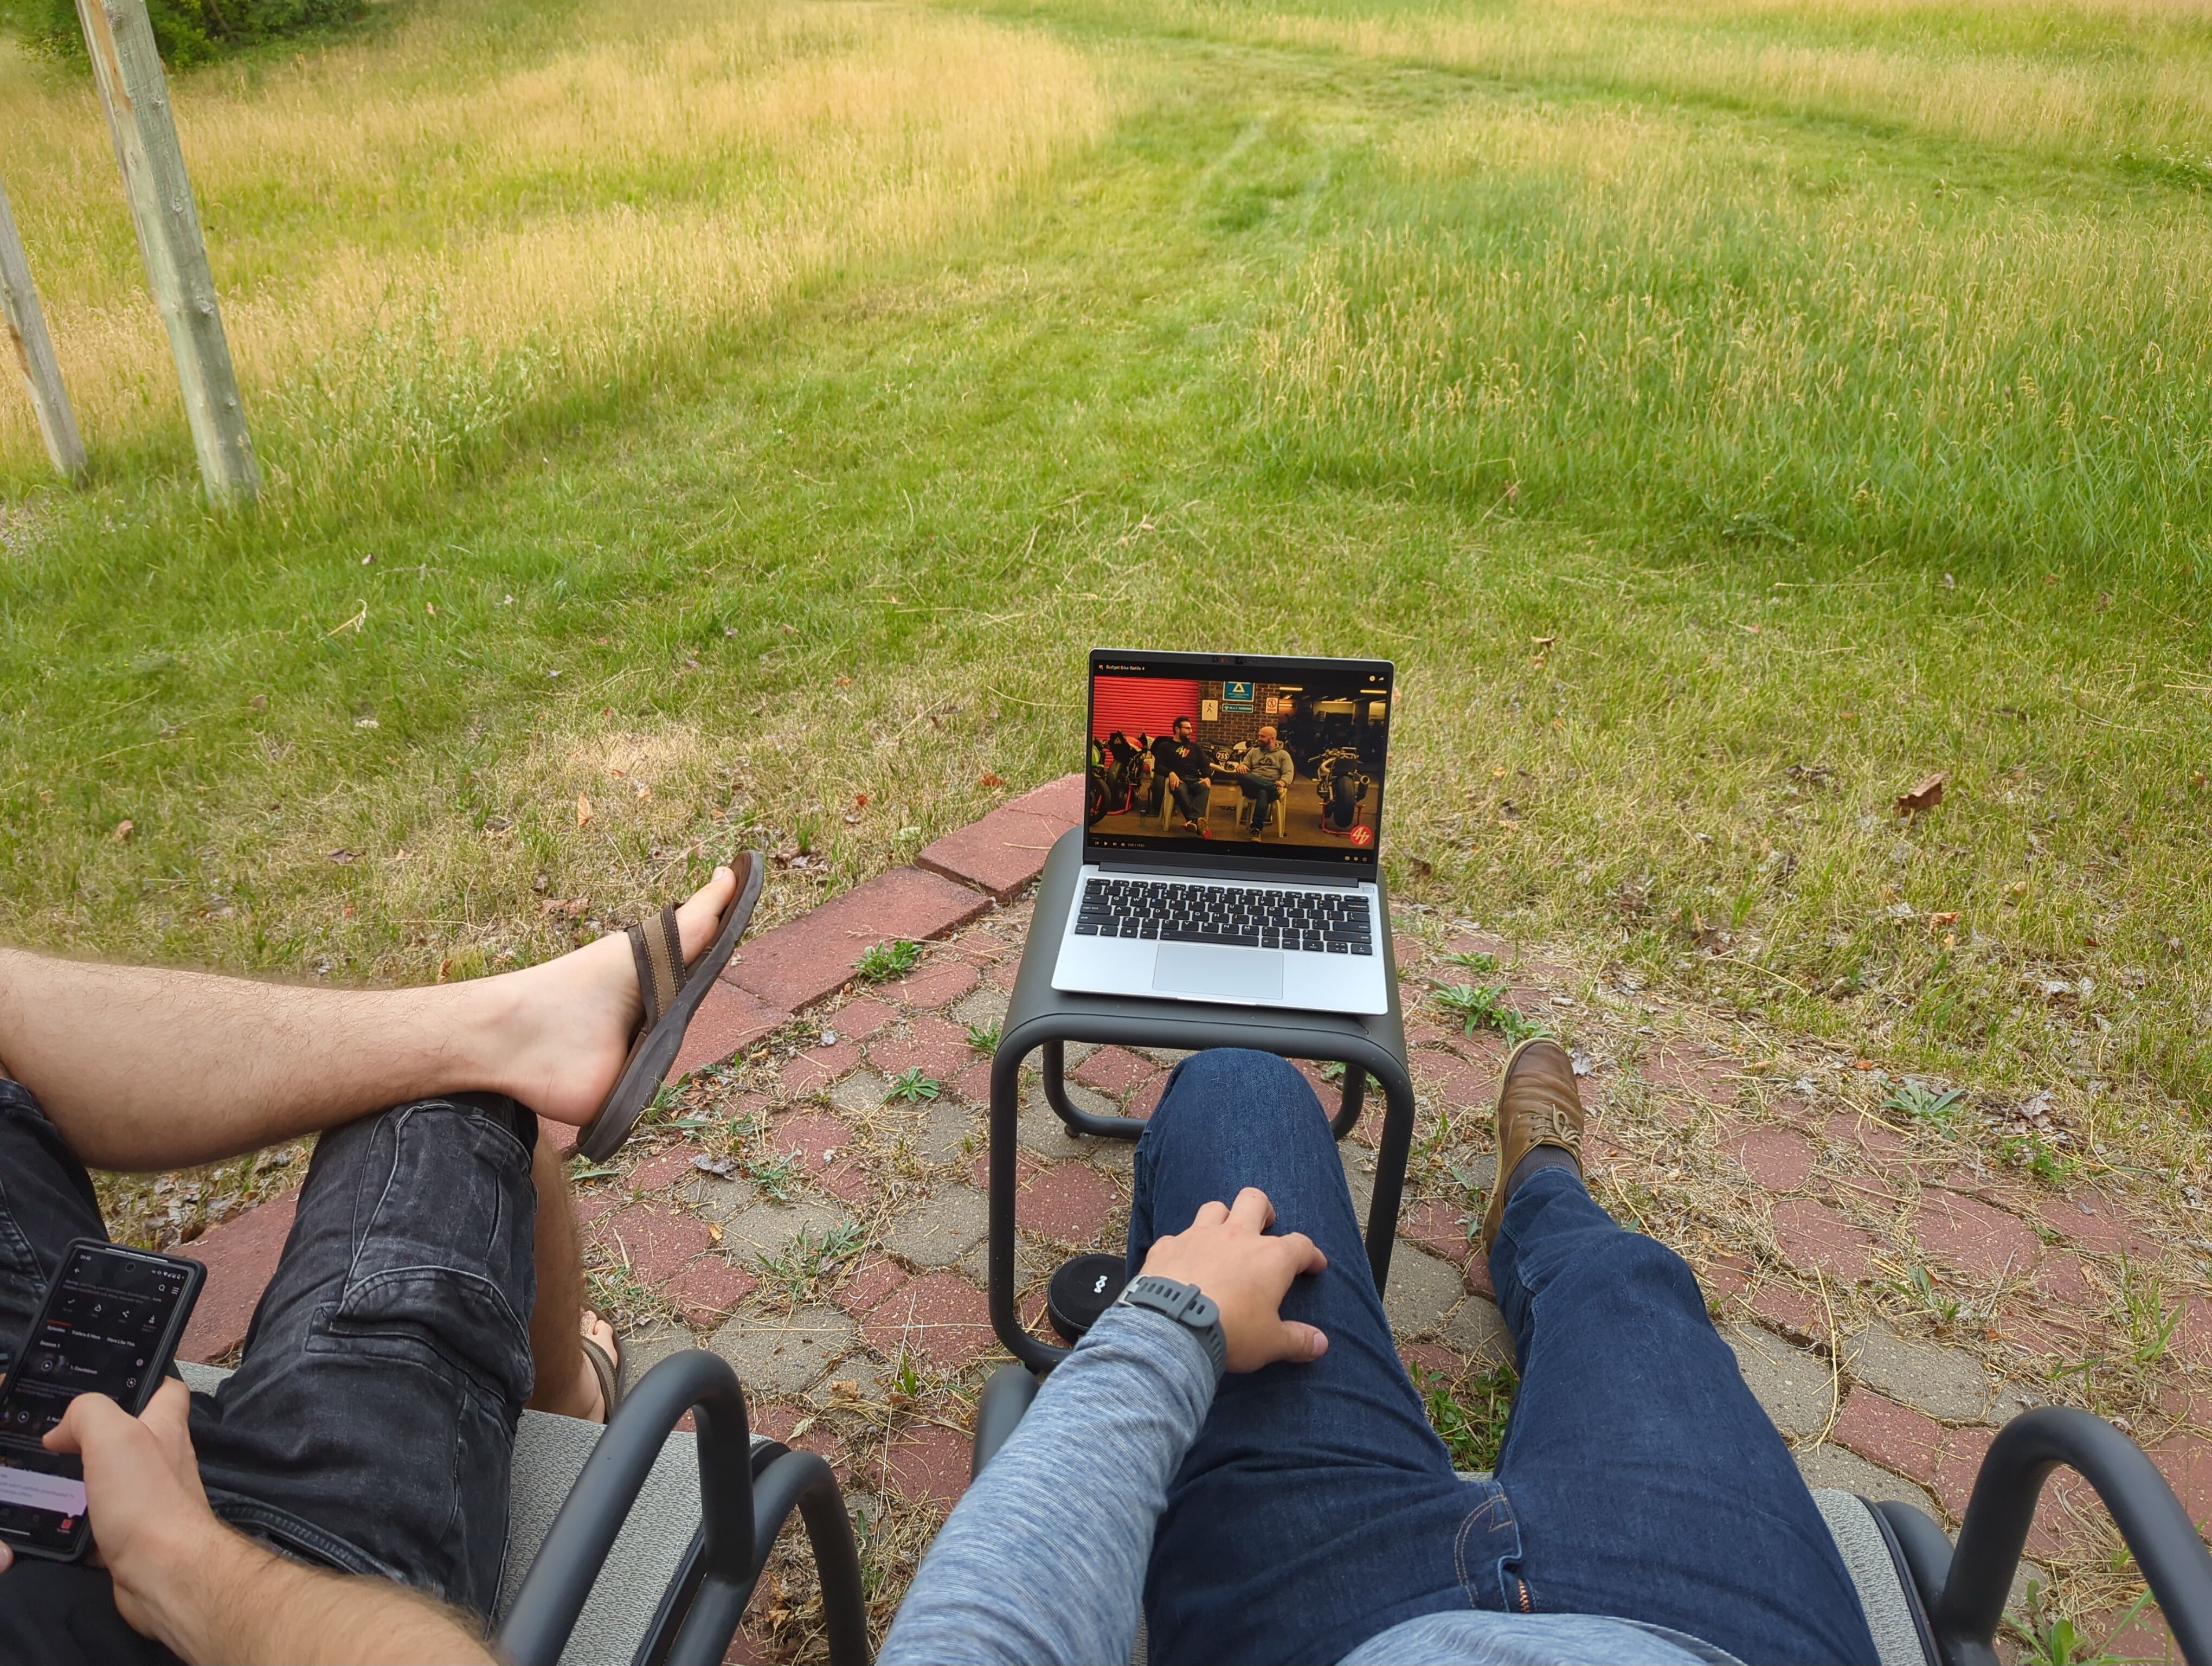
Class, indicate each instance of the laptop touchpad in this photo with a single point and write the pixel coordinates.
(1207, 968)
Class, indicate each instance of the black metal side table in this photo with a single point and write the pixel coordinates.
(1043, 1019)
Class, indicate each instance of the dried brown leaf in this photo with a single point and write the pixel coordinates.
(1924, 794)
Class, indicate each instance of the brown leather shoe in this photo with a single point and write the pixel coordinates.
(1537, 1105)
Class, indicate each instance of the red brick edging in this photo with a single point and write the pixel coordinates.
(772, 978)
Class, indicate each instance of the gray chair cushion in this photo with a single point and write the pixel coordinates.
(1880, 1588)
(1867, 1559)
(549, 1453)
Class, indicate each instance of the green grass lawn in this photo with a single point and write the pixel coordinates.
(1725, 416)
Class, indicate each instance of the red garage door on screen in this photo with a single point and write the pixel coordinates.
(1141, 705)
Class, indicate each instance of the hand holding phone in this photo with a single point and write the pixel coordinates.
(110, 1325)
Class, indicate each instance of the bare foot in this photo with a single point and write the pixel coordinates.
(589, 1394)
(581, 1396)
(558, 1033)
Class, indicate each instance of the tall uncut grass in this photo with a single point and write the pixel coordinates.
(1608, 311)
(2119, 78)
(417, 239)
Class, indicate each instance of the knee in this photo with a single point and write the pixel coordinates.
(1637, 1268)
(1235, 1088)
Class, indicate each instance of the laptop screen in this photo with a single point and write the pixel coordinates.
(1223, 755)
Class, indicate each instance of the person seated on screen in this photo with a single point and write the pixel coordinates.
(1264, 776)
(1180, 767)
(342, 1496)
(1271, 1489)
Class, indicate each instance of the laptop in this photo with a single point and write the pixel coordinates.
(1233, 830)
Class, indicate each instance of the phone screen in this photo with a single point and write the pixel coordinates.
(111, 1321)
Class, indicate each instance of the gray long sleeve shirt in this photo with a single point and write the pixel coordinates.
(1276, 766)
(1031, 1571)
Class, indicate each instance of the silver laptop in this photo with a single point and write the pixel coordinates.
(1232, 828)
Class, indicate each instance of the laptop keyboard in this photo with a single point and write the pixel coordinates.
(1241, 916)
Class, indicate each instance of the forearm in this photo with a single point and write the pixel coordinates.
(1031, 1569)
(147, 1068)
(238, 1603)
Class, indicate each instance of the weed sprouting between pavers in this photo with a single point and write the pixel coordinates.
(911, 1087)
(1939, 1108)
(1472, 1004)
(1476, 1005)
(775, 1175)
(1469, 1418)
(797, 1270)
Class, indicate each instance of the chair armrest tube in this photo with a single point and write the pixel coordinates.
(798, 1480)
(1005, 1402)
(2150, 1519)
(1053, 1057)
(1355, 1096)
(560, 1580)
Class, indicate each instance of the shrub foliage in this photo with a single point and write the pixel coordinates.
(187, 31)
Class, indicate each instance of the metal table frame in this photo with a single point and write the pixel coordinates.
(1043, 1019)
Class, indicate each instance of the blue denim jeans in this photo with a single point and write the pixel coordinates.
(371, 1424)
(1638, 1477)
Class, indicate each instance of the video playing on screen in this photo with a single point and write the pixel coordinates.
(1254, 765)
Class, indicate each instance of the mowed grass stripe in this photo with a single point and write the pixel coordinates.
(857, 544)
(410, 261)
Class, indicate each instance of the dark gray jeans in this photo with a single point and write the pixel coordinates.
(371, 1424)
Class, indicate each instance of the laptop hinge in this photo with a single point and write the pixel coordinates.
(1194, 870)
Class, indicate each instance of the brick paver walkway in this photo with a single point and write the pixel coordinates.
(1893, 1291)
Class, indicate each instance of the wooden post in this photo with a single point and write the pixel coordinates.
(128, 70)
(34, 350)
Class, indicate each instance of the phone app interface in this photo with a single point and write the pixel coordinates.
(101, 1333)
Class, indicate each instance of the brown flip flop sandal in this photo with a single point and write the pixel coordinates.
(673, 994)
(610, 1373)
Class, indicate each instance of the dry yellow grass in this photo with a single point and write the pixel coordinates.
(2097, 76)
(1972, 316)
(412, 236)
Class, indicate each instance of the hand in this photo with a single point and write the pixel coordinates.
(1227, 1255)
(149, 1512)
(208, 1591)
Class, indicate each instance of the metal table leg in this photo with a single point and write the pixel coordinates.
(1052, 1062)
(1389, 1176)
(1006, 1108)
(1052, 1058)
(1006, 1111)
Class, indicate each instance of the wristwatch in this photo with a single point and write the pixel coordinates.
(1188, 1305)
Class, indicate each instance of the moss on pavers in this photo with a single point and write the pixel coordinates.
(940, 1228)
(767, 1229)
(1702, 1170)
(1422, 1291)
(785, 1353)
(1948, 1384)
(946, 1132)
(1796, 1389)
(1830, 1465)
(1476, 1332)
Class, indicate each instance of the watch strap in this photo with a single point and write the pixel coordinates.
(1188, 1305)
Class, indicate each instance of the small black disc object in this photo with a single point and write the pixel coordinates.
(1083, 1288)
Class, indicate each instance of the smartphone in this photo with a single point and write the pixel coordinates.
(110, 1325)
